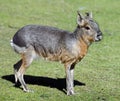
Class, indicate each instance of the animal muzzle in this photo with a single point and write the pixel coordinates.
(98, 37)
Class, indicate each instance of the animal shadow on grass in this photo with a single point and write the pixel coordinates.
(58, 83)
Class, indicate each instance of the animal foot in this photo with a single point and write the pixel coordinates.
(28, 90)
(71, 92)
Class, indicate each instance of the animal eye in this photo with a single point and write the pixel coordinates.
(87, 28)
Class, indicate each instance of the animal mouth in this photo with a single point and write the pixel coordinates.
(98, 38)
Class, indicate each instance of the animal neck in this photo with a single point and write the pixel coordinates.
(85, 40)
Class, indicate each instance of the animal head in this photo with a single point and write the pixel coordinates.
(89, 27)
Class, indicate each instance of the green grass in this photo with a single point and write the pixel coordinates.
(99, 70)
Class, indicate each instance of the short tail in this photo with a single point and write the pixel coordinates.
(17, 48)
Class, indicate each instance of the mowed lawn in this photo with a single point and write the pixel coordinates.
(97, 76)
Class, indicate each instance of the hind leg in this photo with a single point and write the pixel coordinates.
(16, 68)
(21, 66)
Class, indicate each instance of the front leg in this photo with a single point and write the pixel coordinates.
(69, 79)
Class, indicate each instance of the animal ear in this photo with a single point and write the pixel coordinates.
(80, 19)
(89, 15)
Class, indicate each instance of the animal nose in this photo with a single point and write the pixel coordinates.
(99, 36)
